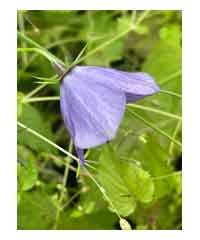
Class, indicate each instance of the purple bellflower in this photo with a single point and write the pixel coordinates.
(93, 99)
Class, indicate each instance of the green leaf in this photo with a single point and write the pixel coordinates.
(167, 57)
(32, 118)
(164, 64)
(124, 22)
(112, 182)
(91, 195)
(171, 34)
(124, 183)
(99, 220)
(157, 211)
(107, 55)
(35, 211)
(155, 159)
(150, 155)
(95, 25)
(26, 170)
(138, 181)
(142, 29)
(139, 144)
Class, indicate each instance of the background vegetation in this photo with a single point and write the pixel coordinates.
(135, 180)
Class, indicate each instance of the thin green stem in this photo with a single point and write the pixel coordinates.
(103, 45)
(167, 175)
(167, 114)
(87, 153)
(63, 188)
(28, 40)
(133, 15)
(41, 86)
(143, 130)
(22, 29)
(71, 199)
(46, 82)
(91, 161)
(53, 78)
(63, 41)
(37, 50)
(102, 190)
(36, 90)
(78, 169)
(78, 56)
(90, 166)
(131, 160)
(160, 131)
(170, 93)
(47, 140)
(40, 49)
(142, 17)
(171, 146)
(35, 28)
(40, 99)
(170, 77)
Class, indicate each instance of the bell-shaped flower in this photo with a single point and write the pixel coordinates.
(93, 99)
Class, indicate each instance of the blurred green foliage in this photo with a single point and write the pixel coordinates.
(139, 172)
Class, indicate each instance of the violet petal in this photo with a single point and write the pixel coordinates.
(92, 111)
(135, 85)
(92, 101)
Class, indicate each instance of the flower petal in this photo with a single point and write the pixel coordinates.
(80, 154)
(91, 110)
(135, 85)
(65, 107)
